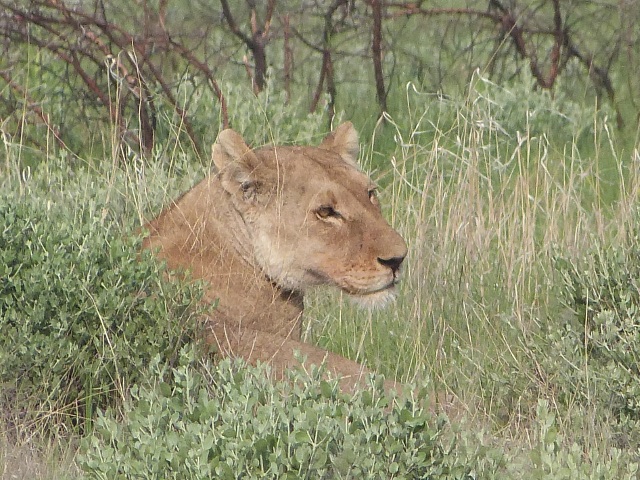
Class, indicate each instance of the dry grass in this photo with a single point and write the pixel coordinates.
(485, 218)
(31, 459)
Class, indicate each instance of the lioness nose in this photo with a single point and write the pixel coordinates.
(392, 262)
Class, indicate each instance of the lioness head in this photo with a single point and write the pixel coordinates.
(312, 215)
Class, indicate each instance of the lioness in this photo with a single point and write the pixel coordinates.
(269, 224)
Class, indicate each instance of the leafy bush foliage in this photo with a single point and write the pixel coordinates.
(550, 460)
(520, 108)
(596, 352)
(81, 311)
(268, 118)
(233, 422)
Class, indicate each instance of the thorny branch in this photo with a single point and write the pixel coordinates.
(326, 70)
(257, 42)
(90, 44)
(127, 75)
(521, 32)
(376, 50)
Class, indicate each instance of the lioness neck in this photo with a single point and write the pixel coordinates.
(203, 230)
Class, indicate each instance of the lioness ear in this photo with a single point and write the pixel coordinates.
(237, 165)
(344, 141)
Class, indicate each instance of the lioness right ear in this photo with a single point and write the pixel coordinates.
(344, 141)
(235, 161)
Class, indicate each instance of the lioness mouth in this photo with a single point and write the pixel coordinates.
(374, 298)
(390, 287)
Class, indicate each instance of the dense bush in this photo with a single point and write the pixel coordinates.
(232, 422)
(81, 311)
(519, 110)
(595, 353)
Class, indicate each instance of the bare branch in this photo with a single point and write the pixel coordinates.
(376, 50)
(256, 43)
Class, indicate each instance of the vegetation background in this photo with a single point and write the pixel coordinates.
(505, 137)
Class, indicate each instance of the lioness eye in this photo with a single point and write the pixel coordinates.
(327, 211)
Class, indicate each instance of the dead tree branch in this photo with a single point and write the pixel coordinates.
(119, 69)
(257, 42)
(376, 50)
(521, 31)
(326, 70)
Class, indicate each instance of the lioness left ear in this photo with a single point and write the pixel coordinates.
(344, 141)
(237, 165)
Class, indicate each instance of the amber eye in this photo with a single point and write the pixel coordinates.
(327, 211)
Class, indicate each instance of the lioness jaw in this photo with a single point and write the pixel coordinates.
(268, 224)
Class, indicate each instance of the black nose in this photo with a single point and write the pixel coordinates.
(392, 262)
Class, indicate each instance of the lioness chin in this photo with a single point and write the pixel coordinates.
(269, 224)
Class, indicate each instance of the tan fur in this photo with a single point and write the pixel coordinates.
(269, 224)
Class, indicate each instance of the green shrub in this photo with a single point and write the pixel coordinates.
(81, 311)
(230, 421)
(521, 108)
(594, 354)
(267, 118)
(552, 459)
